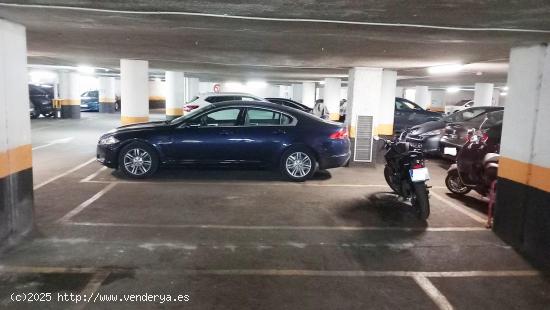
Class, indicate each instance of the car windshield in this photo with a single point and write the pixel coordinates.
(404, 104)
(492, 119)
(465, 115)
(189, 115)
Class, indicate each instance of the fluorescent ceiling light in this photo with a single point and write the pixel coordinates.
(453, 89)
(445, 69)
(85, 69)
(505, 88)
(256, 84)
(504, 94)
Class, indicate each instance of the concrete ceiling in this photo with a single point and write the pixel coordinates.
(285, 40)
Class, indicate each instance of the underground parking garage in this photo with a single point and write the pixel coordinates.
(277, 154)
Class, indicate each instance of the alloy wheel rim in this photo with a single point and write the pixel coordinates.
(298, 164)
(455, 183)
(137, 161)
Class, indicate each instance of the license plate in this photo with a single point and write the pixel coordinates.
(419, 175)
(450, 151)
(83, 105)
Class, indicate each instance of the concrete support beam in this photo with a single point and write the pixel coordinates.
(16, 192)
(308, 94)
(483, 94)
(69, 94)
(332, 97)
(423, 97)
(523, 190)
(175, 94)
(107, 94)
(134, 91)
(297, 92)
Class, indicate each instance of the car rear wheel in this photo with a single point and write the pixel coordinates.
(298, 164)
(454, 183)
(138, 161)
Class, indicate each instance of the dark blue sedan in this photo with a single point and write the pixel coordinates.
(229, 133)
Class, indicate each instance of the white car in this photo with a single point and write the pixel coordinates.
(205, 99)
(459, 106)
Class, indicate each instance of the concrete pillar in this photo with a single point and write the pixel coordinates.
(297, 92)
(423, 97)
(16, 187)
(69, 94)
(400, 92)
(175, 94)
(107, 94)
(383, 121)
(192, 88)
(134, 91)
(332, 97)
(364, 94)
(308, 94)
(523, 189)
(483, 95)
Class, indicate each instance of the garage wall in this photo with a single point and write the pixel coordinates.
(16, 192)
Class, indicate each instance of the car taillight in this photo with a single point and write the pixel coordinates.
(484, 137)
(418, 166)
(189, 108)
(340, 134)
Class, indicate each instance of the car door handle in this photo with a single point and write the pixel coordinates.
(226, 132)
(279, 132)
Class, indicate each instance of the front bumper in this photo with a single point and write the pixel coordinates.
(107, 155)
(429, 145)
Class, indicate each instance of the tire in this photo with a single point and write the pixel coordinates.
(454, 184)
(138, 160)
(420, 200)
(298, 164)
(387, 176)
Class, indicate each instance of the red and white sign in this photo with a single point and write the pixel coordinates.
(217, 88)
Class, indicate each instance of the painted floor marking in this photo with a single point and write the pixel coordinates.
(86, 203)
(273, 227)
(435, 295)
(64, 174)
(54, 142)
(91, 288)
(460, 209)
(93, 175)
(283, 272)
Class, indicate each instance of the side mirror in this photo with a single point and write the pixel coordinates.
(376, 138)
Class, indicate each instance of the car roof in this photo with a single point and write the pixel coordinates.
(211, 94)
(262, 104)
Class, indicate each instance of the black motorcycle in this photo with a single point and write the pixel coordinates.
(406, 174)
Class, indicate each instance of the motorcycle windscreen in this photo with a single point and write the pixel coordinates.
(469, 162)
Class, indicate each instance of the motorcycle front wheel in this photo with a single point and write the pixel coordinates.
(388, 177)
(420, 200)
(454, 183)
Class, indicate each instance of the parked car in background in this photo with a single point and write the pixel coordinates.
(89, 101)
(229, 133)
(408, 114)
(205, 99)
(459, 106)
(40, 98)
(455, 135)
(290, 103)
(427, 136)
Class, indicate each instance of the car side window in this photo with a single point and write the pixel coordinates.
(225, 117)
(94, 94)
(400, 105)
(260, 117)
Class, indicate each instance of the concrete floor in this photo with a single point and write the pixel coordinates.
(232, 239)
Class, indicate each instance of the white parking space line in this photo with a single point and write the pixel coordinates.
(63, 174)
(282, 227)
(54, 142)
(86, 203)
(460, 209)
(285, 272)
(435, 295)
(91, 288)
(93, 175)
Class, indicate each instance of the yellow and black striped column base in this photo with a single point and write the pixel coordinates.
(522, 212)
(70, 108)
(16, 194)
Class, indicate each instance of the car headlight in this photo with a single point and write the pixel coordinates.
(108, 140)
(431, 133)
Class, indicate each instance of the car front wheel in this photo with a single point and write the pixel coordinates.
(298, 164)
(138, 161)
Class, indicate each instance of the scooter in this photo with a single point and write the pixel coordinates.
(476, 166)
(406, 174)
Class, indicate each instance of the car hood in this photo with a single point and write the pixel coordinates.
(427, 126)
(139, 126)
